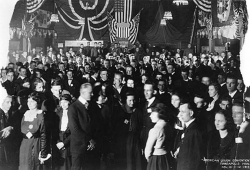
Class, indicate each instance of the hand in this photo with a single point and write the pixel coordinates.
(6, 131)
(42, 160)
(91, 146)
(60, 145)
(176, 153)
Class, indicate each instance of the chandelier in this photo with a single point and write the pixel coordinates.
(180, 2)
(168, 15)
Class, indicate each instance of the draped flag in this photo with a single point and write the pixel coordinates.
(204, 5)
(33, 5)
(112, 27)
(133, 28)
(85, 19)
(121, 26)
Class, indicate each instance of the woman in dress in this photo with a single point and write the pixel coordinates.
(159, 140)
(61, 135)
(33, 150)
(221, 141)
(126, 130)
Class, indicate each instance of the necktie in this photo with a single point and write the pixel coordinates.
(86, 105)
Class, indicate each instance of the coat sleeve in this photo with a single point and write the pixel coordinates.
(43, 138)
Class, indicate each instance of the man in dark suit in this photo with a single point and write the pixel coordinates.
(222, 81)
(10, 139)
(232, 88)
(242, 131)
(189, 154)
(72, 85)
(80, 127)
(162, 94)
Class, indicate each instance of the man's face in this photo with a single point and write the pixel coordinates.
(130, 83)
(161, 85)
(23, 72)
(148, 91)
(184, 75)
(225, 105)
(185, 113)
(129, 70)
(106, 64)
(61, 67)
(87, 68)
(117, 79)
(206, 81)
(10, 76)
(231, 85)
(170, 69)
(87, 93)
(104, 75)
(237, 114)
(130, 101)
(69, 74)
(199, 102)
(56, 90)
(221, 79)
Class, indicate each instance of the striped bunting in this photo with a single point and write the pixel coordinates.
(33, 5)
(112, 27)
(204, 5)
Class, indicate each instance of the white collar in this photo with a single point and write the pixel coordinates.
(232, 94)
(222, 84)
(150, 101)
(189, 122)
(82, 100)
(161, 92)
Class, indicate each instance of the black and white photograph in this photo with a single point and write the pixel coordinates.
(124, 85)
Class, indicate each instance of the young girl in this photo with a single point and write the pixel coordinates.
(61, 135)
(159, 139)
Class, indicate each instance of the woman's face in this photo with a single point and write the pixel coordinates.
(154, 117)
(130, 101)
(101, 99)
(212, 91)
(144, 79)
(39, 87)
(32, 104)
(220, 121)
(175, 101)
(64, 104)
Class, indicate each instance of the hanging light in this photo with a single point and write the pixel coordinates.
(163, 22)
(168, 15)
(54, 18)
(180, 2)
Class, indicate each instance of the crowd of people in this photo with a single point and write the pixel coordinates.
(116, 108)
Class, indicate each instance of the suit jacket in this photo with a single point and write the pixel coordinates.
(73, 87)
(189, 157)
(80, 128)
(237, 96)
(164, 98)
(243, 149)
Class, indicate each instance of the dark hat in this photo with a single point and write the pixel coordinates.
(66, 97)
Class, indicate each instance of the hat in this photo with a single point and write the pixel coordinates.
(66, 97)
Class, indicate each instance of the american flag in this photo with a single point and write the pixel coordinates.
(123, 12)
(133, 28)
(33, 5)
